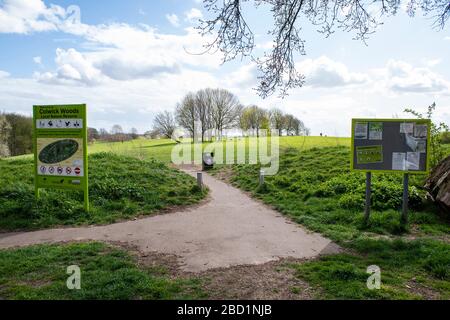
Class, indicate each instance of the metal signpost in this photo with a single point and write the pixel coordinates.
(60, 148)
(390, 145)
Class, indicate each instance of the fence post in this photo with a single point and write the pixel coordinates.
(261, 177)
(200, 180)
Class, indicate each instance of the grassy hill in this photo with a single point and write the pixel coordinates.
(120, 187)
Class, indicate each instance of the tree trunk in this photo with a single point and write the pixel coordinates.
(438, 185)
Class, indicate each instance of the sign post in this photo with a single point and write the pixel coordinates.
(390, 145)
(405, 199)
(368, 197)
(60, 148)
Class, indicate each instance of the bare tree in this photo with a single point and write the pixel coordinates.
(164, 123)
(226, 110)
(234, 37)
(117, 133)
(134, 133)
(204, 109)
(185, 113)
(307, 132)
(116, 129)
(277, 120)
(300, 128)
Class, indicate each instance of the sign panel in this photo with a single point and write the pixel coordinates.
(60, 148)
(400, 145)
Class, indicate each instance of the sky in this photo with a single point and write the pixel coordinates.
(128, 60)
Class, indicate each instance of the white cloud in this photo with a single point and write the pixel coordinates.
(432, 62)
(26, 16)
(324, 72)
(173, 19)
(4, 74)
(137, 100)
(265, 45)
(73, 67)
(37, 60)
(123, 52)
(400, 77)
(242, 80)
(193, 15)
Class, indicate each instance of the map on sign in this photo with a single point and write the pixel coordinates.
(60, 145)
(390, 145)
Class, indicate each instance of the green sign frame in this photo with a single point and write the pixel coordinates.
(382, 143)
(60, 148)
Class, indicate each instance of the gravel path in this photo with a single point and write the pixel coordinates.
(231, 229)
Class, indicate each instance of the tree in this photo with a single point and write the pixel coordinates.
(117, 133)
(103, 134)
(204, 109)
(300, 128)
(116, 129)
(277, 120)
(226, 110)
(164, 123)
(185, 113)
(234, 37)
(290, 124)
(255, 118)
(93, 134)
(437, 129)
(134, 133)
(5, 133)
(307, 132)
(20, 140)
(244, 120)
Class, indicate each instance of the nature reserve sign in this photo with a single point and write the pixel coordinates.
(60, 148)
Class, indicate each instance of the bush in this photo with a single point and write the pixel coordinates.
(445, 137)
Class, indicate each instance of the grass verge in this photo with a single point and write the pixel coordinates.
(39, 272)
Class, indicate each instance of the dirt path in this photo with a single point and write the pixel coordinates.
(232, 229)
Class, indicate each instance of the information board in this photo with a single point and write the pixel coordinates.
(399, 145)
(60, 148)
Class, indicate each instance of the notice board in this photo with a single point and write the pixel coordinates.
(398, 145)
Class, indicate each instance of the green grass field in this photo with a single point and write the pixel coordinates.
(316, 189)
(161, 149)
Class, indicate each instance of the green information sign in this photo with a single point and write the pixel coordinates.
(60, 148)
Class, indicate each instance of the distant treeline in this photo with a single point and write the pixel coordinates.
(116, 134)
(217, 110)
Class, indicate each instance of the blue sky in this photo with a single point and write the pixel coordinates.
(130, 59)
